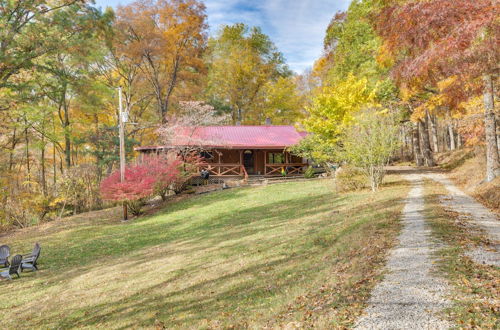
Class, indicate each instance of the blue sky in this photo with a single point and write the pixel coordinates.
(297, 27)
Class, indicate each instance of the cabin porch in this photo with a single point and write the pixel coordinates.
(252, 162)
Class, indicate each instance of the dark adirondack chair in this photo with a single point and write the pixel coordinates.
(13, 268)
(4, 255)
(29, 260)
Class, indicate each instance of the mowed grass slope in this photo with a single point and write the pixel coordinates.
(247, 257)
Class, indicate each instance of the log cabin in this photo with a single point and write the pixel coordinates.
(239, 151)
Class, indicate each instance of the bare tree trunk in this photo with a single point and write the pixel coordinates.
(98, 157)
(170, 89)
(416, 146)
(67, 140)
(492, 157)
(27, 142)
(61, 164)
(431, 123)
(12, 148)
(452, 136)
(402, 137)
(240, 115)
(54, 165)
(410, 143)
(42, 163)
(426, 144)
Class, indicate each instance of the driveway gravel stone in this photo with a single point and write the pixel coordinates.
(411, 294)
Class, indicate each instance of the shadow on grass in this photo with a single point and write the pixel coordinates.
(83, 246)
(229, 233)
(406, 170)
(205, 300)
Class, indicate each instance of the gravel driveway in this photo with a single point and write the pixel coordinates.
(411, 295)
(470, 210)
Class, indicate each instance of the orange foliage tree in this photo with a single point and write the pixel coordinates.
(169, 36)
(437, 39)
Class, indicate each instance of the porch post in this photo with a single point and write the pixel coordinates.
(241, 162)
(265, 162)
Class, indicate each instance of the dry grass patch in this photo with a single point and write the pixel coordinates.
(292, 253)
(477, 290)
(468, 170)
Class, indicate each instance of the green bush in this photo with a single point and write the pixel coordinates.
(348, 178)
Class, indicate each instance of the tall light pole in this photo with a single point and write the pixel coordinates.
(122, 118)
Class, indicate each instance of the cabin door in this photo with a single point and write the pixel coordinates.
(248, 161)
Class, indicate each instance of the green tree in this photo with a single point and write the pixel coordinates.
(321, 151)
(283, 104)
(371, 142)
(69, 71)
(242, 62)
(30, 29)
(353, 47)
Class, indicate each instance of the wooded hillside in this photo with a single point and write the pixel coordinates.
(427, 70)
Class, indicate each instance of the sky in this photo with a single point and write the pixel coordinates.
(297, 27)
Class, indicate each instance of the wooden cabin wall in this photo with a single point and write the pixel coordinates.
(259, 161)
(228, 156)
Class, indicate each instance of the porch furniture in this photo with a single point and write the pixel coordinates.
(29, 260)
(13, 268)
(4, 255)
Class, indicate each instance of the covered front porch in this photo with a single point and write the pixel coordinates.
(252, 162)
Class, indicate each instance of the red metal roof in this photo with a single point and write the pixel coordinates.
(235, 137)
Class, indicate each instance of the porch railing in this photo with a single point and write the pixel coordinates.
(290, 168)
(224, 169)
(239, 170)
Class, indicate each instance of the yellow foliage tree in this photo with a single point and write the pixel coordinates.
(335, 107)
(283, 104)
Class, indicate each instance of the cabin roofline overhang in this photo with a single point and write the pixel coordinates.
(245, 147)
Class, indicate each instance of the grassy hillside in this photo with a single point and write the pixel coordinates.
(271, 255)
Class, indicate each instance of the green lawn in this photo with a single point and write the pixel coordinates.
(293, 253)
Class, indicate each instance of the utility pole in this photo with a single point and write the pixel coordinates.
(122, 119)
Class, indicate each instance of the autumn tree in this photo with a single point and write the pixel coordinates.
(30, 29)
(35, 38)
(283, 104)
(69, 70)
(335, 107)
(244, 65)
(332, 112)
(169, 36)
(184, 124)
(122, 67)
(437, 39)
(370, 143)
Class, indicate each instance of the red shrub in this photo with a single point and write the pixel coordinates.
(166, 171)
(139, 183)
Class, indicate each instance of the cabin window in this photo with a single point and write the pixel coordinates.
(275, 158)
(206, 155)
